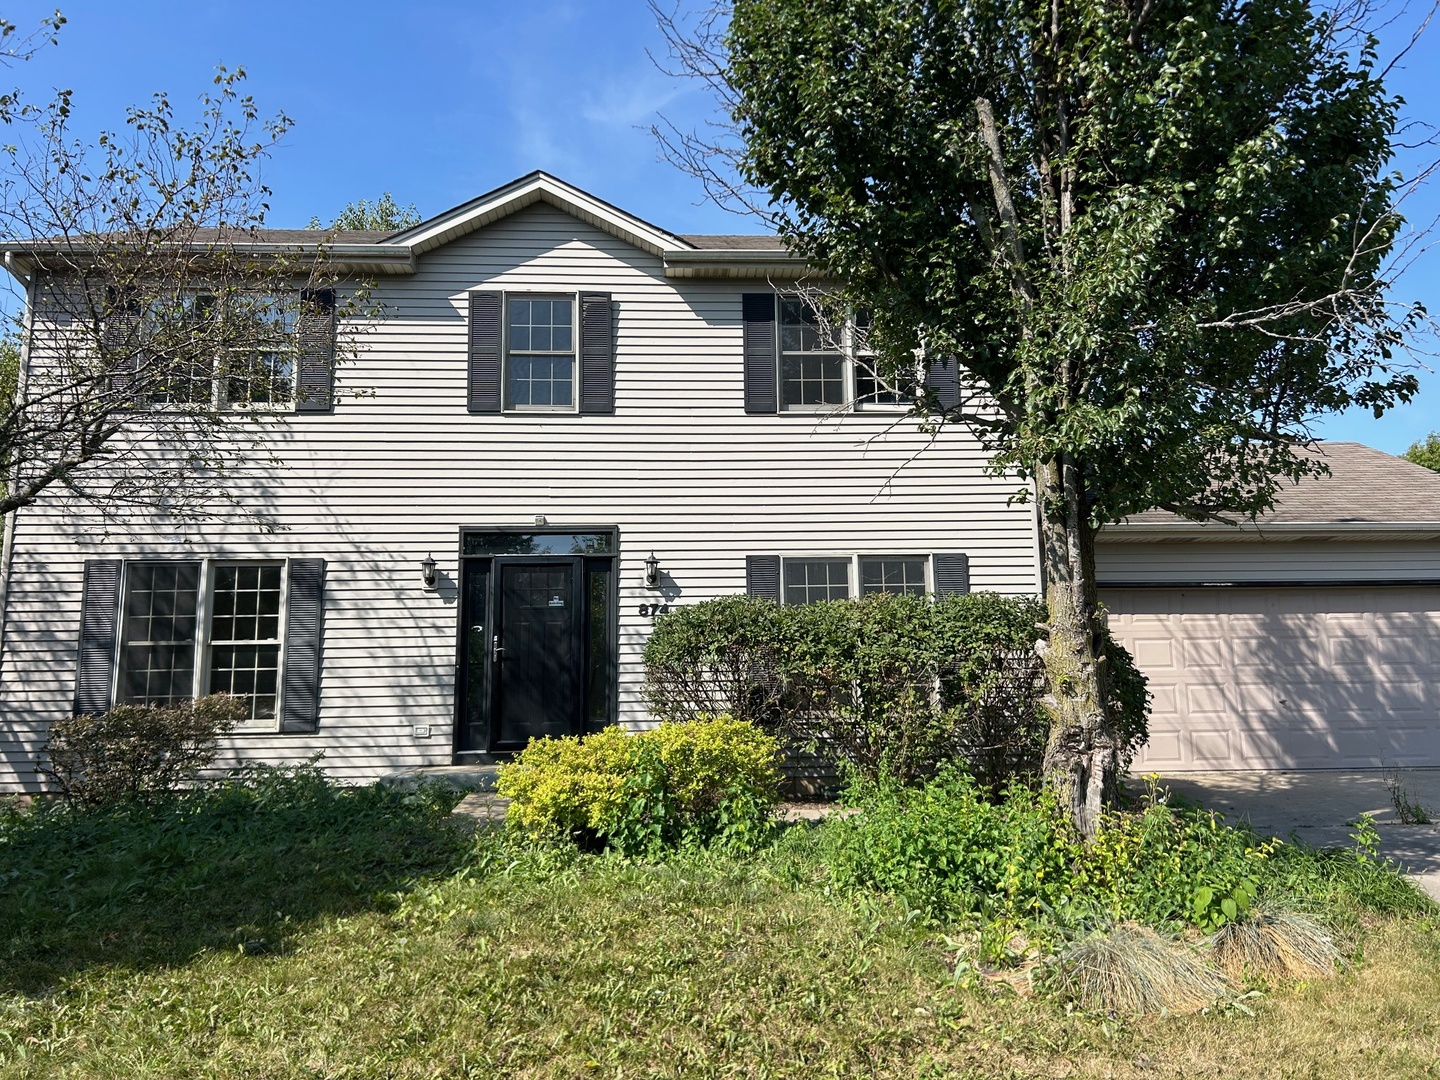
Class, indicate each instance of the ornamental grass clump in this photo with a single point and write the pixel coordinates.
(697, 783)
(1275, 945)
(1132, 970)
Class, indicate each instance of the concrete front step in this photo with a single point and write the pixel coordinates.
(480, 810)
(454, 777)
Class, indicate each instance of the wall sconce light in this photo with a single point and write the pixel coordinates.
(652, 572)
(427, 571)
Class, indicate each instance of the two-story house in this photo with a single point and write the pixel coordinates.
(571, 420)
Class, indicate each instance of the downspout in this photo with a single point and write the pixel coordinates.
(1039, 538)
(7, 551)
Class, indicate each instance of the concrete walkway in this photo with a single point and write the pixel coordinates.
(1320, 808)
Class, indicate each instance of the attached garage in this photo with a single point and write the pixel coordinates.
(1310, 640)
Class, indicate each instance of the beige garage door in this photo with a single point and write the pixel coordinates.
(1286, 678)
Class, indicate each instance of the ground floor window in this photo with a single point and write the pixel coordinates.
(807, 580)
(190, 629)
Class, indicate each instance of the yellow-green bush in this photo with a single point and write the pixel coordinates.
(694, 782)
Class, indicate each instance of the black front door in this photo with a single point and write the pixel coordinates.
(538, 651)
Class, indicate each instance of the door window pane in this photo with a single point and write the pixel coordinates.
(157, 650)
(517, 543)
(892, 574)
(809, 580)
(599, 659)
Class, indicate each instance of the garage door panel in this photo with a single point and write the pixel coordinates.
(1280, 678)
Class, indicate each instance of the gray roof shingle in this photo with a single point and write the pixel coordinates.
(1365, 486)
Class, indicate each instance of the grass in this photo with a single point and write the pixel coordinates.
(393, 948)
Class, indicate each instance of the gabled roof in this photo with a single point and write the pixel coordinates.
(537, 187)
(726, 256)
(1368, 492)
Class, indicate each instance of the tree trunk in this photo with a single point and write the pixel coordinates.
(1081, 755)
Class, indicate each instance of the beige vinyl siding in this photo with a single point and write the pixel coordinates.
(395, 473)
(1337, 560)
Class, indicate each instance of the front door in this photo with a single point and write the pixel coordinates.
(536, 640)
(537, 651)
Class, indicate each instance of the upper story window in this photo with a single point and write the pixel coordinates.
(812, 367)
(200, 350)
(540, 353)
(797, 360)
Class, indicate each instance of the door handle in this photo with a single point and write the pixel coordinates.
(496, 652)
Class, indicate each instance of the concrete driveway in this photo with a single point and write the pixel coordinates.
(1318, 808)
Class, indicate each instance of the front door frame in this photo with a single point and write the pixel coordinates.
(492, 750)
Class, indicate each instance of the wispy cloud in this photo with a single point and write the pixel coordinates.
(626, 99)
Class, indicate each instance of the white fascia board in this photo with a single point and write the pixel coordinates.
(732, 263)
(528, 190)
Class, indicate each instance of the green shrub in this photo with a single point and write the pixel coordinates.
(957, 857)
(136, 752)
(679, 784)
(893, 684)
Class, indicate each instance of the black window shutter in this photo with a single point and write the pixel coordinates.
(762, 576)
(99, 618)
(758, 312)
(304, 614)
(315, 351)
(942, 377)
(484, 378)
(597, 353)
(952, 574)
(119, 336)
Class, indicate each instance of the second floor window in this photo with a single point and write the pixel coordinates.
(540, 353)
(826, 367)
(202, 350)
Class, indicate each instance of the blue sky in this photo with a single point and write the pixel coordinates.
(438, 102)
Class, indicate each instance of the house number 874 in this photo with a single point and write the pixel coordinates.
(654, 609)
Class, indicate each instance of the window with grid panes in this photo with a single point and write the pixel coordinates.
(540, 353)
(255, 367)
(892, 574)
(812, 369)
(265, 375)
(243, 642)
(157, 633)
(809, 580)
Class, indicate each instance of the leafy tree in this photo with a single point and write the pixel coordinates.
(1426, 451)
(1153, 236)
(383, 215)
(147, 309)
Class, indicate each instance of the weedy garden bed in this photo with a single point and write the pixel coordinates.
(282, 926)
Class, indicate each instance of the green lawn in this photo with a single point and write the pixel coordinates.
(349, 934)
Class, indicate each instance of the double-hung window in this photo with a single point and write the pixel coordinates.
(812, 366)
(808, 579)
(188, 629)
(198, 349)
(540, 353)
(822, 366)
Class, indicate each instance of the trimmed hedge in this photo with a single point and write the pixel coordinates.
(885, 683)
